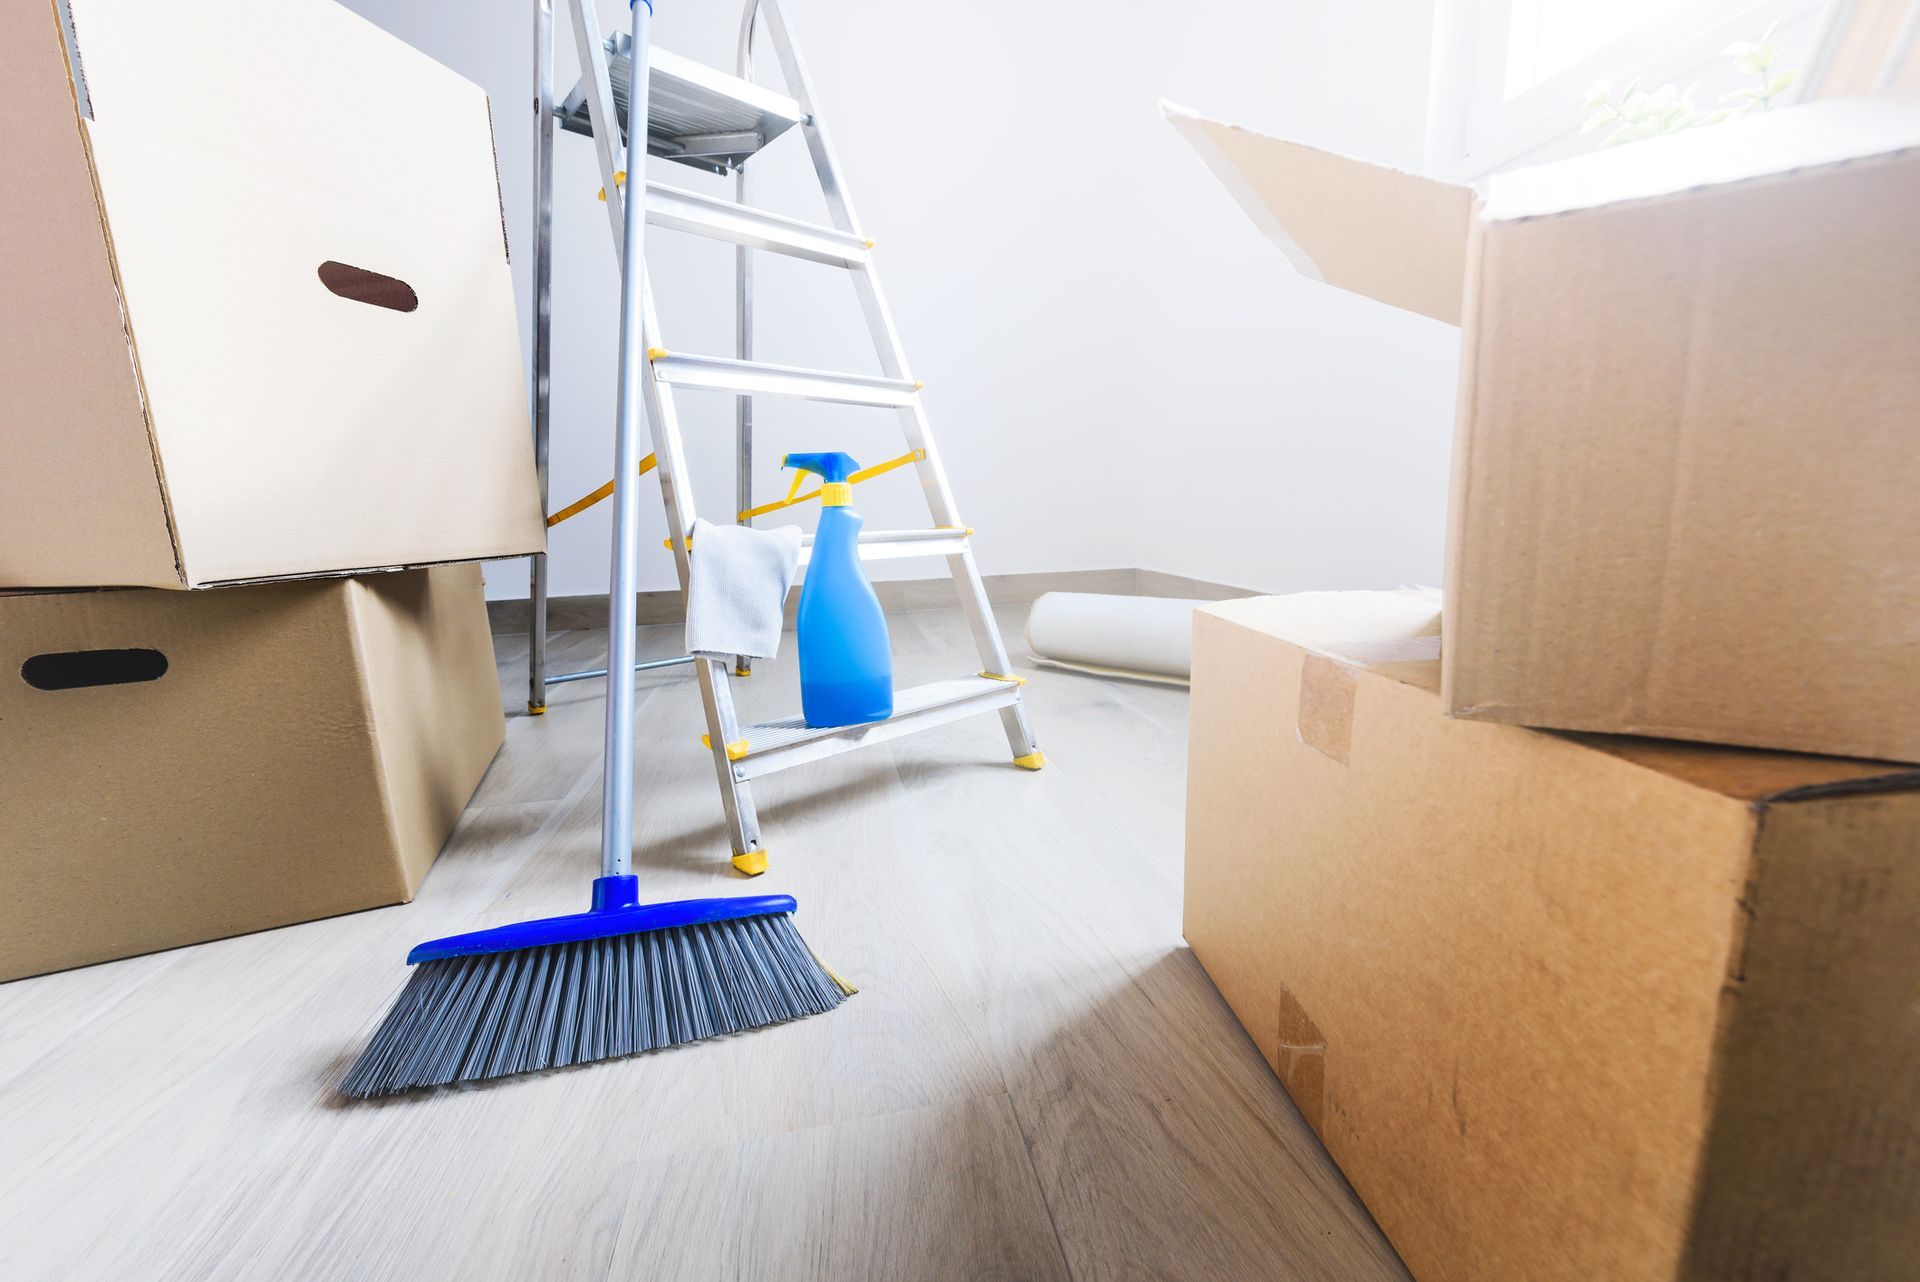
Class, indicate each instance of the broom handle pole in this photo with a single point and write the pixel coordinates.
(616, 812)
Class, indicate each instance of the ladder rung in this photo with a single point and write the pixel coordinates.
(790, 741)
(723, 374)
(891, 545)
(725, 220)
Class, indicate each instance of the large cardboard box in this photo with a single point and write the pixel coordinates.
(179, 767)
(1562, 1006)
(259, 321)
(1684, 463)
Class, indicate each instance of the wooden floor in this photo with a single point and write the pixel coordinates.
(1036, 1080)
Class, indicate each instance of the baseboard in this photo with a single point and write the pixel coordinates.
(567, 613)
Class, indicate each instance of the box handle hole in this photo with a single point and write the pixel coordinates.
(363, 286)
(78, 669)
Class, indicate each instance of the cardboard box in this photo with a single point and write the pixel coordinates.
(259, 318)
(1561, 1006)
(176, 767)
(1684, 462)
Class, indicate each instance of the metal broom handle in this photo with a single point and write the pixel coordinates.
(616, 801)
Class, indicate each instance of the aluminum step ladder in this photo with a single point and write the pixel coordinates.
(709, 120)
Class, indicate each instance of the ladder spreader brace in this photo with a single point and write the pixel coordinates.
(717, 122)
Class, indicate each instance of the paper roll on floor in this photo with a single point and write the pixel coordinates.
(1145, 638)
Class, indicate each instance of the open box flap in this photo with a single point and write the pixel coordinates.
(1392, 236)
(1762, 145)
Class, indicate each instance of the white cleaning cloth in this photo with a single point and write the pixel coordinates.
(737, 593)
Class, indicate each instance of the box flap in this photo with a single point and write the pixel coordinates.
(1392, 236)
(1763, 145)
(1394, 634)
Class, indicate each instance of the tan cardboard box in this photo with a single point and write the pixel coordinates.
(1562, 1006)
(178, 767)
(259, 321)
(1684, 465)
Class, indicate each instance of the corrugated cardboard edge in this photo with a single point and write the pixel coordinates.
(363, 654)
(82, 119)
(1878, 128)
(1190, 125)
(499, 189)
(437, 727)
(1456, 686)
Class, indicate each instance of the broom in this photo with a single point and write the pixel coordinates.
(623, 977)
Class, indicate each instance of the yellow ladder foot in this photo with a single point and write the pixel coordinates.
(753, 863)
(1032, 761)
(536, 709)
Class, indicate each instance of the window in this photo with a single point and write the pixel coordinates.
(1511, 76)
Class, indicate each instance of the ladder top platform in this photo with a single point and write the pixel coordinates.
(695, 114)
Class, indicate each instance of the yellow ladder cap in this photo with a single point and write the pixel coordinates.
(655, 353)
(1032, 761)
(619, 180)
(753, 863)
(735, 750)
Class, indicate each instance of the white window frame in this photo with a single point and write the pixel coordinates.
(1474, 129)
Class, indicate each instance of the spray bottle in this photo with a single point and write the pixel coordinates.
(846, 664)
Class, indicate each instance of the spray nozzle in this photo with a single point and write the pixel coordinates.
(830, 466)
(835, 471)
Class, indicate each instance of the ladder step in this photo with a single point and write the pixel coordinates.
(688, 211)
(891, 545)
(790, 741)
(747, 378)
(696, 115)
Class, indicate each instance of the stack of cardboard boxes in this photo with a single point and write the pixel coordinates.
(1604, 998)
(256, 341)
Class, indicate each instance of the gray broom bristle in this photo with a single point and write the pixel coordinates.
(464, 1019)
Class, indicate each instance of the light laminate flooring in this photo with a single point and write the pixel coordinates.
(1036, 1081)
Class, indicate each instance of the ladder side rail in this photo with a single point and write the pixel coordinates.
(606, 130)
(893, 363)
(542, 290)
(866, 285)
(716, 696)
(743, 321)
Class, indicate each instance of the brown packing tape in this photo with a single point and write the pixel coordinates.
(1326, 706)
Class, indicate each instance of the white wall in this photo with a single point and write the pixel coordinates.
(1121, 371)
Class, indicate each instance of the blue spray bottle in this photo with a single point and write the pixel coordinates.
(846, 663)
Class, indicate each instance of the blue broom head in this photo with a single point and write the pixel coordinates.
(619, 979)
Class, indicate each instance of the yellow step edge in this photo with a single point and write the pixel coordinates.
(1001, 676)
(735, 750)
